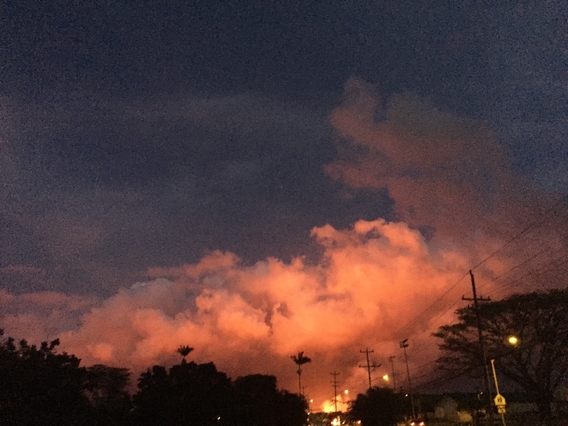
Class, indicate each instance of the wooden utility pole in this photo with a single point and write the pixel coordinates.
(476, 301)
(391, 360)
(368, 366)
(334, 382)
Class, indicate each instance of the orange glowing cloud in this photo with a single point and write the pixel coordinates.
(249, 319)
(41, 316)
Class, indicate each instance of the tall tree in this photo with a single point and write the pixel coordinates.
(184, 351)
(538, 364)
(300, 360)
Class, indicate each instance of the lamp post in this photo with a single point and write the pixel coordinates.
(404, 345)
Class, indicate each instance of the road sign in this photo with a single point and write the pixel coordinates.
(500, 400)
(501, 409)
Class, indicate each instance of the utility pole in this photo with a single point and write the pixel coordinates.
(391, 360)
(476, 301)
(368, 351)
(334, 382)
(404, 345)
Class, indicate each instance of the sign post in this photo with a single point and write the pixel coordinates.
(499, 400)
(500, 403)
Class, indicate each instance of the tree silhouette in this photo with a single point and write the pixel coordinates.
(106, 389)
(40, 386)
(188, 394)
(184, 351)
(300, 359)
(538, 363)
(256, 401)
(378, 406)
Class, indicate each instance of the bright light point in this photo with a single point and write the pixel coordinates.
(513, 340)
(346, 391)
(386, 378)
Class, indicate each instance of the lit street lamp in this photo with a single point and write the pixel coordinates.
(513, 340)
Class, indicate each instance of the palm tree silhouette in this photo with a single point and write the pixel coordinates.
(184, 351)
(300, 359)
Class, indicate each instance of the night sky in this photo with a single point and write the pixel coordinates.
(256, 179)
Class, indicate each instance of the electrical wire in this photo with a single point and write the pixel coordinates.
(524, 231)
(538, 272)
(527, 230)
(418, 317)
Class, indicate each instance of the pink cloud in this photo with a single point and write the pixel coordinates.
(250, 319)
(442, 170)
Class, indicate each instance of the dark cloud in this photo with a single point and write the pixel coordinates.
(169, 139)
(150, 133)
(106, 184)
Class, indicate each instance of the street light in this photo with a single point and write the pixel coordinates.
(404, 345)
(513, 340)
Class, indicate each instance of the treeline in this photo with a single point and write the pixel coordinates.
(39, 386)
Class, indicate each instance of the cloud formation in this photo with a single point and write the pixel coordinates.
(375, 283)
(250, 319)
(444, 172)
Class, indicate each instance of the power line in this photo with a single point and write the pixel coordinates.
(435, 382)
(537, 272)
(520, 264)
(523, 231)
(417, 318)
